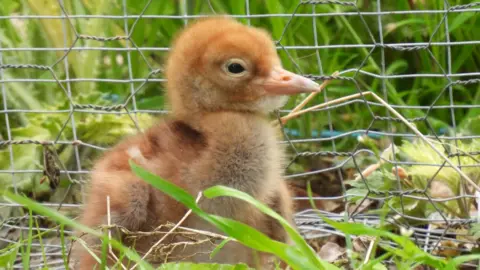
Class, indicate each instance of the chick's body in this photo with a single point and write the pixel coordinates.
(223, 79)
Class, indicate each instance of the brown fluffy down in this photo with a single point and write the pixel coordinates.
(217, 134)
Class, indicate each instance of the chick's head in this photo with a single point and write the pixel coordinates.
(220, 64)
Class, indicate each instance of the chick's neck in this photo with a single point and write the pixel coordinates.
(187, 109)
(197, 120)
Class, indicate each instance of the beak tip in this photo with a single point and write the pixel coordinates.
(313, 86)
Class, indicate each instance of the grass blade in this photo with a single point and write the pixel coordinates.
(218, 191)
(63, 220)
(219, 247)
(298, 257)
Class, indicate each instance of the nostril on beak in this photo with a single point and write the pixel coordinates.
(286, 78)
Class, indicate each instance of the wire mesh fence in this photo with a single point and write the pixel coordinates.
(354, 154)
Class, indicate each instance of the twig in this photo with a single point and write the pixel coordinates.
(319, 106)
(397, 114)
(167, 250)
(110, 250)
(169, 232)
(369, 252)
(187, 232)
(210, 234)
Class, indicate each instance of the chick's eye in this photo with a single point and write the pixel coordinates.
(235, 68)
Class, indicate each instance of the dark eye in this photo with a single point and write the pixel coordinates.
(235, 68)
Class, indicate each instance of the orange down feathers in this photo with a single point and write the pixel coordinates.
(223, 78)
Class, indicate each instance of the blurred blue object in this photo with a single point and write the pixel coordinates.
(334, 133)
(111, 97)
(330, 134)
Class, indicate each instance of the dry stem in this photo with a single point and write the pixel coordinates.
(110, 250)
(169, 232)
(369, 252)
(393, 111)
(210, 234)
(306, 100)
(312, 95)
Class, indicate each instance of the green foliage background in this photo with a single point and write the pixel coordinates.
(36, 107)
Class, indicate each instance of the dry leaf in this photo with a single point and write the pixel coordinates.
(359, 209)
(331, 252)
(359, 245)
(332, 205)
(447, 248)
(440, 190)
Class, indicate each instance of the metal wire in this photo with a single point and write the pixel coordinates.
(308, 221)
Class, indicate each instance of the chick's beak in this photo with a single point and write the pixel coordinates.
(284, 82)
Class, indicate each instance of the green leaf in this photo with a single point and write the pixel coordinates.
(241, 232)
(151, 103)
(376, 263)
(8, 256)
(298, 257)
(202, 266)
(218, 247)
(63, 244)
(306, 250)
(409, 251)
(407, 22)
(249, 236)
(26, 253)
(399, 66)
(379, 266)
(171, 189)
(457, 261)
(460, 20)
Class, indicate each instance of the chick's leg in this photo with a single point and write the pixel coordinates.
(128, 197)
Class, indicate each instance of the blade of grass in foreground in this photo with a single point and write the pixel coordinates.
(295, 256)
(241, 232)
(8, 256)
(306, 250)
(40, 241)
(203, 266)
(62, 242)
(65, 221)
(26, 254)
(248, 235)
(218, 247)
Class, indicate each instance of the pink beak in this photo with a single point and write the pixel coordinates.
(284, 82)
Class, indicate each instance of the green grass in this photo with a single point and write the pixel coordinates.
(330, 30)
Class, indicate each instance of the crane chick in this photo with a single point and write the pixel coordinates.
(223, 78)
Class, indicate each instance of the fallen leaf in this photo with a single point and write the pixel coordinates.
(359, 245)
(439, 189)
(331, 252)
(360, 208)
(332, 205)
(447, 248)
